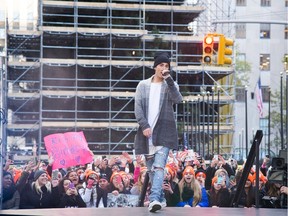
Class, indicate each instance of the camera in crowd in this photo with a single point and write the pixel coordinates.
(278, 173)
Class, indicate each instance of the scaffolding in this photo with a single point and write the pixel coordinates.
(78, 71)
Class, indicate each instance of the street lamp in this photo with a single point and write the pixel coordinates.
(286, 108)
(203, 122)
(192, 124)
(240, 151)
(184, 135)
(199, 114)
(281, 110)
(269, 119)
(218, 119)
(246, 119)
(208, 123)
(213, 119)
(187, 123)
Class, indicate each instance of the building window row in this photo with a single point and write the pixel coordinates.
(264, 3)
(265, 31)
(265, 62)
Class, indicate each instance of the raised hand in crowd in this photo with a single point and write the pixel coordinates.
(29, 167)
(97, 162)
(50, 160)
(7, 164)
(140, 161)
(111, 162)
(221, 159)
(127, 156)
(214, 162)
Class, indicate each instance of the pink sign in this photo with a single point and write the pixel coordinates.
(68, 149)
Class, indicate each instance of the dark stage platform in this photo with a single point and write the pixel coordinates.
(142, 211)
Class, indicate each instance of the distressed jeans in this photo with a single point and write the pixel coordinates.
(156, 165)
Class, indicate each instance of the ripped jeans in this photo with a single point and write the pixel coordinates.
(156, 165)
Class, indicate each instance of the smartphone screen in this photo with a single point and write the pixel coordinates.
(232, 178)
(71, 185)
(55, 174)
(219, 180)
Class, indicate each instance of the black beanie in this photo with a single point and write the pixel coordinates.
(161, 57)
(6, 173)
(38, 173)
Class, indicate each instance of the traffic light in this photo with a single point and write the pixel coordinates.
(224, 51)
(208, 43)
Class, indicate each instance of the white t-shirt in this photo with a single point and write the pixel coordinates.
(153, 112)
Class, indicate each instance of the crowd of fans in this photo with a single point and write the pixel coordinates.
(189, 182)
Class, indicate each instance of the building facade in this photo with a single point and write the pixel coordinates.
(76, 64)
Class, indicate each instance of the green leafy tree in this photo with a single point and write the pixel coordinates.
(276, 119)
(242, 71)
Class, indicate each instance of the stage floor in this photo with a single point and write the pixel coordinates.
(142, 211)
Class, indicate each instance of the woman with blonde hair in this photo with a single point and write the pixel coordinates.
(190, 192)
(137, 187)
(41, 193)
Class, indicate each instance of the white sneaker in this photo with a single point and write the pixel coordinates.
(154, 206)
(163, 204)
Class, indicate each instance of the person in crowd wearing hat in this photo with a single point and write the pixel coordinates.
(247, 198)
(88, 190)
(72, 175)
(262, 179)
(225, 176)
(190, 192)
(217, 163)
(41, 193)
(102, 191)
(169, 186)
(103, 165)
(126, 180)
(116, 186)
(200, 176)
(137, 187)
(157, 132)
(219, 195)
(81, 174)
(69, 197)
(10, 194)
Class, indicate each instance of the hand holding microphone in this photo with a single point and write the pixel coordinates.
(165, 73)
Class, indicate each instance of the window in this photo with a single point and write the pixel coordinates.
(241, 2)
(241, 56)
(286, 32)
(241, 30)
(286, 3)
(16, 19)
(264, 30)
(263, 125)
(265, 3)
(30, 21)
(265, 93)
(286, 62)
(240, 94)
(264, 62)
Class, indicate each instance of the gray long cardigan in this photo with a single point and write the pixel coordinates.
(165, 131)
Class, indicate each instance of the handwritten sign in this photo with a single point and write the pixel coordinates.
(122, 200)
(68, 149)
